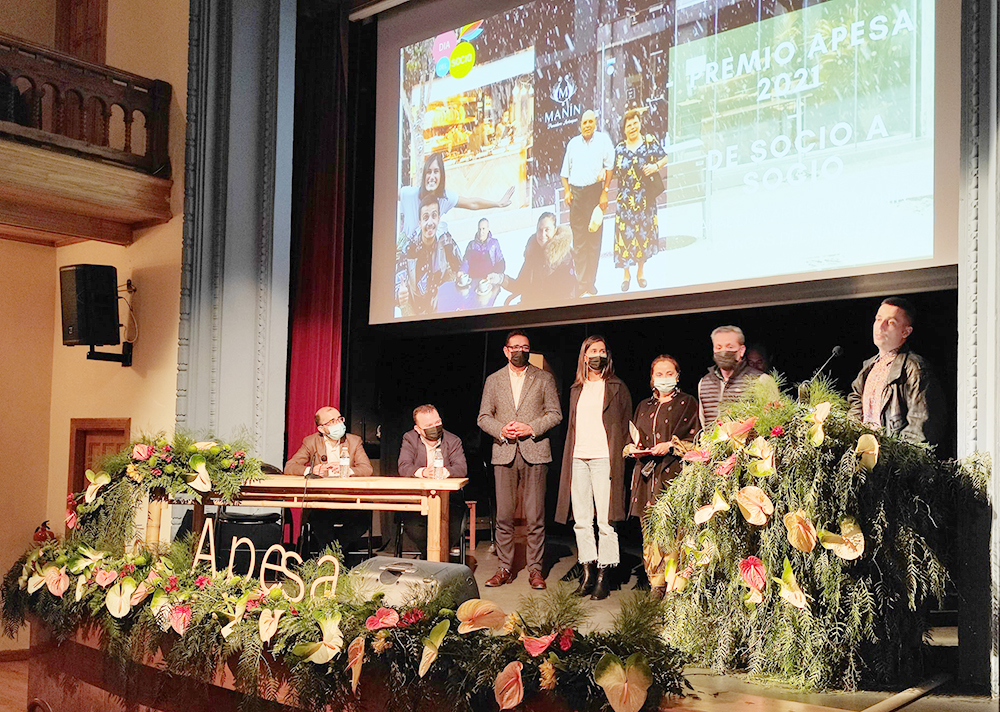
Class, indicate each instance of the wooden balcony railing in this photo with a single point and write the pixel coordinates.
(52, 99)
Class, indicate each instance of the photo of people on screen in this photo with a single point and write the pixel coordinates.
(676, 136)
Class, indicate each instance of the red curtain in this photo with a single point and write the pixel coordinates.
(318, 184)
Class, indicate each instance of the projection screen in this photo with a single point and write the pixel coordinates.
(739, 144)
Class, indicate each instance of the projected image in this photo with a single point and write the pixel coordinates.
(555, 154)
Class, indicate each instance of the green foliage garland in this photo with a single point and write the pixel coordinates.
(142, 601)
(863, 619)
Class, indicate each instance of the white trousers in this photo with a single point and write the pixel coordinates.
(590, 493)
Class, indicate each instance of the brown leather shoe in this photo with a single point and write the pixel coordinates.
(501, 577)
(536, 580)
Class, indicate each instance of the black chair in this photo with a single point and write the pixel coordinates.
(457, 503)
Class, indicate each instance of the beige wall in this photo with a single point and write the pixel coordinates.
(45, 383)
(149, 38)
(32, 20)
(27, 309)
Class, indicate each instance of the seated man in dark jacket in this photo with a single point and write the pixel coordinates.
(417, 455)
(896, 390)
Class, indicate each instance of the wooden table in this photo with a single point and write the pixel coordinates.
(395, 494)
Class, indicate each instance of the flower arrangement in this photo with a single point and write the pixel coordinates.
(808, 542)
(155, 467)
(326, 647)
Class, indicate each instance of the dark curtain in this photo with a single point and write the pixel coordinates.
(319, 187)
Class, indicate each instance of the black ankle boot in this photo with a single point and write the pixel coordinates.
(605, 577)
(587, 580)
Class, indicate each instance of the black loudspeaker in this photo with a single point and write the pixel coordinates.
(264, 530)
(89, 296)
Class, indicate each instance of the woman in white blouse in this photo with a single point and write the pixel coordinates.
(592, 477)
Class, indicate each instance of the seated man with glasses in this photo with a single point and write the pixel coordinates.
(321, 455)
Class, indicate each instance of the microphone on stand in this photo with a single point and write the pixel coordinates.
(837, 351)
(804, 386)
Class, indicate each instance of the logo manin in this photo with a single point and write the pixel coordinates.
(563, 90)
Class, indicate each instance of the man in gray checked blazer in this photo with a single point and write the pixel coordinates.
(520, 406)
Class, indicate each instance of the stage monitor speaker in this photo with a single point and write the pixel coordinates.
(406, 580)
(89, 297)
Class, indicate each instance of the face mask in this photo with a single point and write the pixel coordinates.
(433, 433)
(337, 431)
(726, 360)
(597, 363)
(519, 359)
(665, 385)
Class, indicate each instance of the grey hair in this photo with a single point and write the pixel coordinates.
(730, 330)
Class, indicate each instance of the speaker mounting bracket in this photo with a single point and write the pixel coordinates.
(125, 357)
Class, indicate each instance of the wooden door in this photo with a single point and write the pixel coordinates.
(92, 439)
(81, 28)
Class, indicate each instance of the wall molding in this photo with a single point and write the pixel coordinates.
(979, 339)
(234, 287)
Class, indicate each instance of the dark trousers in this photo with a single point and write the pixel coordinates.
(533, 507)
(586, 244)
(343, 525)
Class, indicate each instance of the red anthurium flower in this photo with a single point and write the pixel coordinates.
(753, 573)
(537, 646)
(383, 618)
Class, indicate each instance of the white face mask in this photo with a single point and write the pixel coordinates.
(665, 385)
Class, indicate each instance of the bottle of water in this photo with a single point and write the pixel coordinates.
(438, 464)
(345, 461)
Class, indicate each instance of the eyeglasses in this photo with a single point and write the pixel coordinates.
(328, 423)
(519, 348)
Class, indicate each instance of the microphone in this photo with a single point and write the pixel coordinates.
(837, 351)
(804, 386)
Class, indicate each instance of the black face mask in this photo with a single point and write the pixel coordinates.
(519, 359)
(597, 363)
(434, 433)
(726, 360)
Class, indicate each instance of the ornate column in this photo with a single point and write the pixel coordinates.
(979, 339)
(237, 210)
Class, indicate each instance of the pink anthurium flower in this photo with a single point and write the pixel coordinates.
(736, 431)
(849, 544)
(790, 590)
(142, 591)
(105, 578)
(267, 624)
(697, 455)
(537, 646)
(432, 644)
(383, 618)
(753, 573)
(719, 504)
(755, 505)
(180, 616)
(818, 418)
(355, 659)
(477, 614)
(725, 467)
(142, 451)
(56, 580)
(509, 687)
(625, 685)
(801, 531)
